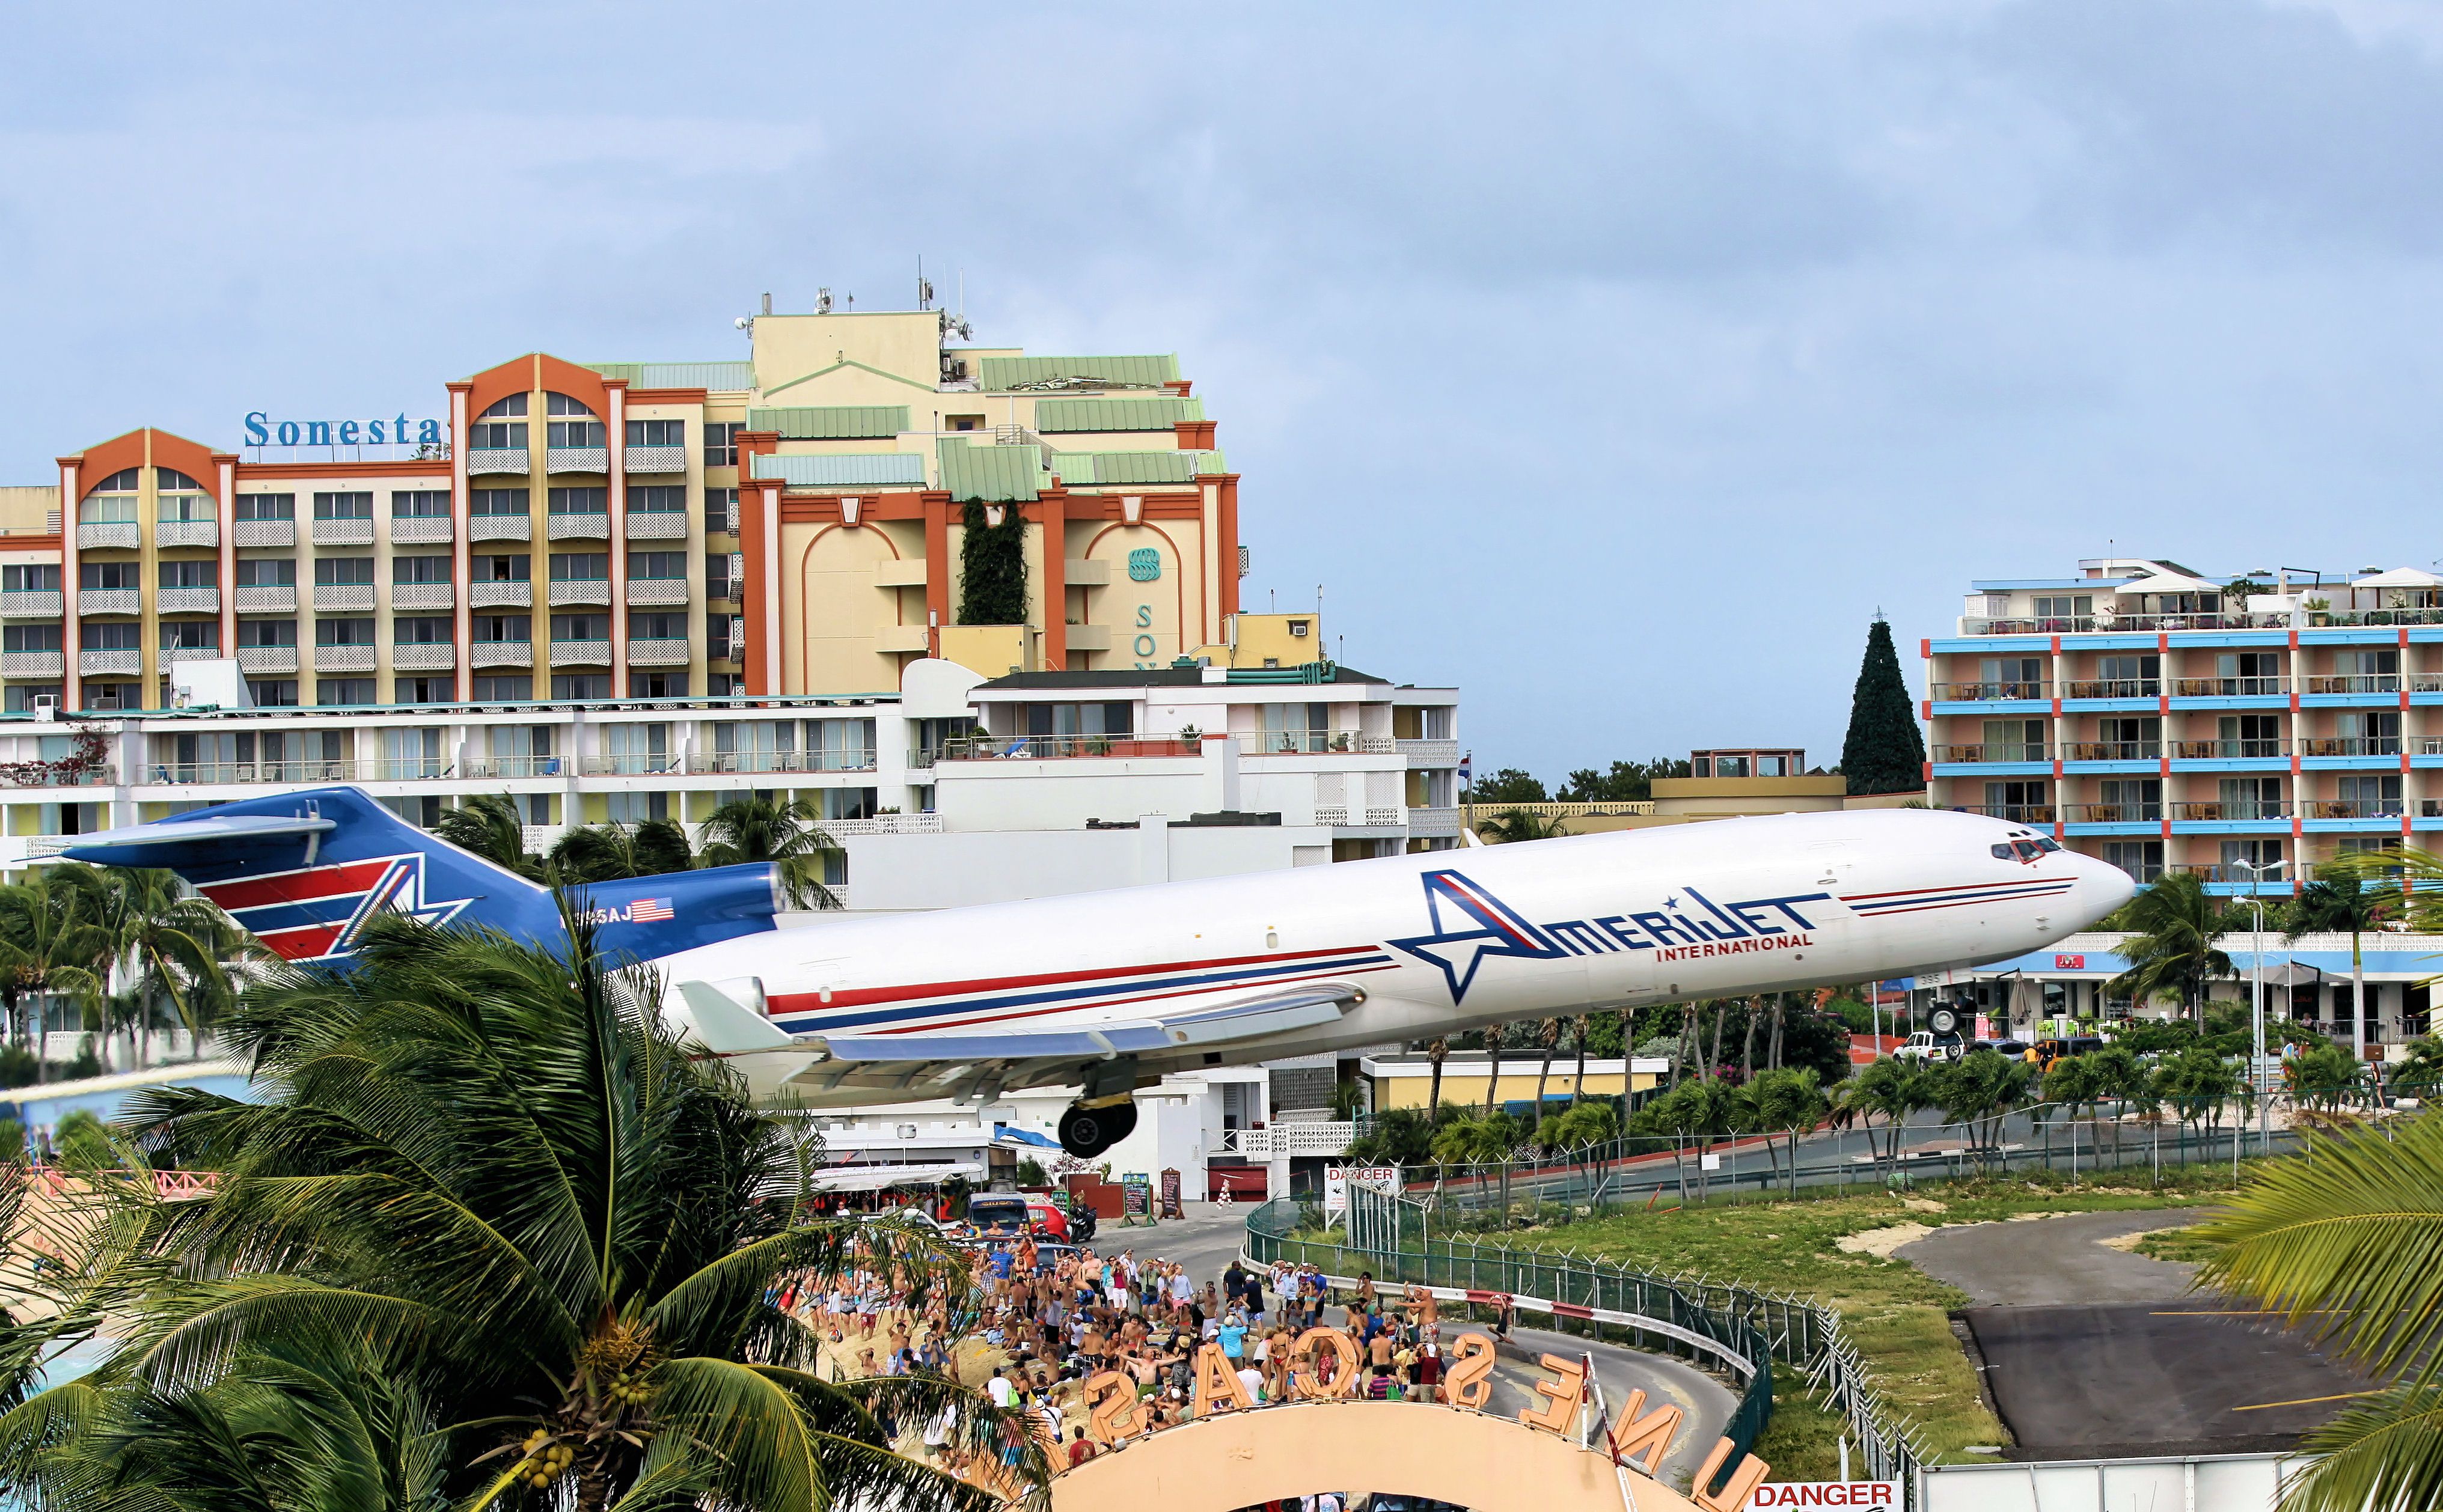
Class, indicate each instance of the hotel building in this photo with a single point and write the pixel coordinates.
(2243, 730)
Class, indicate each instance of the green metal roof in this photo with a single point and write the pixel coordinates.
(852, 469)
(1004, 375)
(718, 377)
(999, 474)
(1055, 415)
(833, 422)
(1117, 469)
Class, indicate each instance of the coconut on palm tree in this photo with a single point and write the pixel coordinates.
(491, 1239)
(789, 834)
(2174, 951)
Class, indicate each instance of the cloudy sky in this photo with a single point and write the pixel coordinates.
(1616, 364)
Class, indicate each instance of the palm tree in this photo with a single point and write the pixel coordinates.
(1892, 1087)
(491, 1209)
(1578, 1083)
(1437, 1051)
(2174, 950)
(2340, 1240)
(50, 945)
(789, 834)
(1548, 1033)
(490, 826)
(2339, 902)
(609, 851)
(1517, 824)
(159, 943)
(1493, 1067)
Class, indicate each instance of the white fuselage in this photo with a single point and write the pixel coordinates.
(1440, 942)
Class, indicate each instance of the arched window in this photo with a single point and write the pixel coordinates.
(113, 500)
(180, 498)
(503, 427)
(580, 427)
(512, 408)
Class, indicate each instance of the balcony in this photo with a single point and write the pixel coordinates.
(2244, 811)
(1989, 692)
(652, 765)
(1998, 752)
(125, 660)
(424, 656)
(187, 773)
(501, 595)
(657, 591)
(657, 524)
(190, 653)
(2014, 812)
(268, 598)
(2229, 687)
(335, 597)
(1427, 753)
(167, 533)
(267, 659)
(2248, 749)
(2085, 623)
(1316, 742)
(657, 653)
(102, 535)
(1281, 1140)
(353, 530)
(500, 527)
(514, 766)
(577, 459)
(579, 527)
(187, 600)
(2113, 751)
(33, 664)
(581, 591)
(2353, 808)
(731, 520)
(423, 595)
(263, 532)
(2150, 811)
(1059, 747)
(859, 759)
(580, 653)
(2351, 745)
(47, 774)
(39, 604)
(483, 654)
(498, 459)
(654, 458)
(109, 601)
(2121, 687)
(2362, 683)
(422, 530)
(1433, 823)
(737, 574)
(343, 659)
(1082, 638)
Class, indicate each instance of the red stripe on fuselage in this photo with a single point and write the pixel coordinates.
(1494, 913)
(1323, 976)
(1954, 886)
(297, 887)
(867, 997)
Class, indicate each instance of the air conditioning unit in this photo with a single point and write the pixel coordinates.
(47, 707)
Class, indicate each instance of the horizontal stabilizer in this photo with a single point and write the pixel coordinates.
(726, 1026)
(211, 836)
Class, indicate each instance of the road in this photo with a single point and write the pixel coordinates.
(1209, 1238)
(2044, 1262)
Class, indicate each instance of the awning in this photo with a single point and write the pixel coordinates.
(2169, 583)
(1012, 1133)
(2400, 577)
(2287, 973)
(876, 1177)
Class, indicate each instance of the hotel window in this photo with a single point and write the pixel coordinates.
(717, 504)
(636, 749)
(580, 429)
(722, 684)
(716, 574)
(344, 572)
(113, 500)
(580, 566)
(424, 690)
(266, 572)
(849, 803)
(586, 687)
(661, 498)
(418, 503)
(419, 569)
(2130, 677)
(2065, 611)
(657, 684)
(657, 564)
(720, 442)
(180, 497)
(423, 812)
(580, 501)
(498, 628)
(2248, 672)
(497, 501)
(657, 432)
(267, 506)
(350, 631)
(519, 689)
(717, 647)
(204, 574)
(637, 808)
(2370, 797)
(343, 692)
(110, 635)
(580, 627)
(343, 506)
(2142, 859)
(421, 629)
(33, 578)
(2246, 798)
(191, 635)
(657, 627)
(2239, 856)
(273, 693)
(840, 745)
(502, 433)
(963, 422)
(21, 696)
(507, 567)
(31, 638)
(104, 577)
(2022, 802)
(267, 632)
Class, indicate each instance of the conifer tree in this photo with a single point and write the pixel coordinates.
(992, 568)
(1884, 752)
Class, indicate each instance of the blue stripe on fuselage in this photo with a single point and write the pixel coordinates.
(1075, 997)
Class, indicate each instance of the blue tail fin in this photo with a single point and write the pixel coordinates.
(306, 871)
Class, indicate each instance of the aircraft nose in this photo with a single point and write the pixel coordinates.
(2101, 889)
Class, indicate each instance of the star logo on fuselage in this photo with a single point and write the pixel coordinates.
(1470, 924)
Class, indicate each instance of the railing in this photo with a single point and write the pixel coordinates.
(578, 527)
(882, 824)
(38, 604)
(1988, 692)
(2356, 682)
(424, 656)
(186, 533)
(2012, 751)
(1279, 1141)
(2112, 813)
(343, 659)
(633, 766)
(853, 758)
(1056, 747)
(501, 595)
(410, 769)
(2351, 745)
(657, 524)
(656, 590)
(2014, 812)
(515, 766)
(190, 653)
(1433, 823)
(2229, 687)
(422, 530)
(577, 459)
(1472, 814)
(263, 532)
(1429, 752)
(581, 653)
(422, 595)
(333, 596)
(59, 774)
(653, 652)
(500, 653)
(2084, 624)
(581, 591)
(33, 664)
(2250, 749)
(2242, 811)
(498, 459)
(654, 458)
(106, 533)
(1314, 742)
(347, 530)
(2122, 687)
(2113, 751)
(2216, 871)
(2353, 808)
(266, 658)
(125, 659)
(187, 600)
(500, 527)
(731, 522)
(110, 601)
(267, 598)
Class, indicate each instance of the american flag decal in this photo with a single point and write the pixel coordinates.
(650, 911)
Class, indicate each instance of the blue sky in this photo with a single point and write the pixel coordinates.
(1615, 364)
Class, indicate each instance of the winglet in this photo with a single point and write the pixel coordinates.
(726, 1026)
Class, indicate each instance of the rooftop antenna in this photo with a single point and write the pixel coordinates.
(924, 289)
(767, 302)
(823, 300)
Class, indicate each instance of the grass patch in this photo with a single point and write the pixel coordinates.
(1895, 1313)
(2181, 1244)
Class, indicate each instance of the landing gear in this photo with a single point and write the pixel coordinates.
(1088, 1132)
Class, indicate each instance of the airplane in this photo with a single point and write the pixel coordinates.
(1108, 992)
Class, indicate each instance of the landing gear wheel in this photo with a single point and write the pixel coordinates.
(1088, 1132)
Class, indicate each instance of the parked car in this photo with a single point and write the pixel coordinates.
(1925, 1045)
(1007, 1214)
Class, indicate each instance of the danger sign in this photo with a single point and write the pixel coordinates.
(1780, 1494)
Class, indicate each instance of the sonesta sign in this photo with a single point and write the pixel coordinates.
(262, 430)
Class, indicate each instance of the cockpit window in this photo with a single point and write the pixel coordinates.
(2028, 849)
(2047, 843)
(2002, 851)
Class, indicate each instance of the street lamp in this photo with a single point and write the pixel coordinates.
(2256, 1067)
